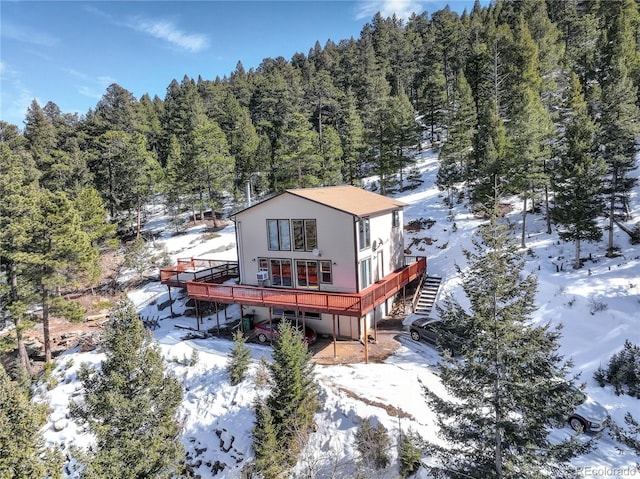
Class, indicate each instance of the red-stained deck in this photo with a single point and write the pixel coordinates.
(206, 286)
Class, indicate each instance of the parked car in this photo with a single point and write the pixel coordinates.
(266, 331)
(589, 415)
(423, 328)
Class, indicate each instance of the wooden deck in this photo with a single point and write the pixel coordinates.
(205, 285)
(194, 269)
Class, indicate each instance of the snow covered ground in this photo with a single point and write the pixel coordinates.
(218, 417)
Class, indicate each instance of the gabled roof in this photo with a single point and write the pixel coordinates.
(349, 199)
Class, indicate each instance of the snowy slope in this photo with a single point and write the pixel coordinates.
(218, 418)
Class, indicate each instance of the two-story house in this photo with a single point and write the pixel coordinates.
(332, 256)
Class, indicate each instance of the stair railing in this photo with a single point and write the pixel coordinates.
(416, 294)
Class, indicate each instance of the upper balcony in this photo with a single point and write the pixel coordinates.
(204, 280)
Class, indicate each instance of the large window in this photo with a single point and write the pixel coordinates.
(364, 234)
(279, 235)
(305, 236)
(365, 273)
(280, 270)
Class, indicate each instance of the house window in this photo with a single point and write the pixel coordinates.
(295, 316)
(364, 234)
(263, 264)
(307, 273)
(325, 272)
(365, 273)
(304, 235)
(395, 221)
(280, 270)
(279, 235)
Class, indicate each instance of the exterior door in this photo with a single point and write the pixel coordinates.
(307, 274)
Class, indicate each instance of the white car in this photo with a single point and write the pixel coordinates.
(589, 415)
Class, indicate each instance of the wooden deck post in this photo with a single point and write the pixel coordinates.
(198, 314)
(170, 301)
(335, 352)
(366, 342)
(217, 318)
(375, 325)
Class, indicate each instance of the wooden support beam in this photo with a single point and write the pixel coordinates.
(366, 341)
(335, 352)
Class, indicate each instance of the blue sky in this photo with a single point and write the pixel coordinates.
(69, 52)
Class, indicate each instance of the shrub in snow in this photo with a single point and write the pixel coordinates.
(239, 359)
(372, 442)
(629, 435)
(623, 371)
(410, 452)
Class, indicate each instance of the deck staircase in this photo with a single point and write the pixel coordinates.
(427, 296)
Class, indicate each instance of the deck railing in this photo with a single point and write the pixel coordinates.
(348, 304)
(197, 269)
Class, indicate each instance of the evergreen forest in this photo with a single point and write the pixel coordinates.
(532, 100)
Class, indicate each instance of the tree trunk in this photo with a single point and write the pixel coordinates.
(138, 220)
(548, 210)
(45, 326)
(577, 264)
(524, 222)
(612, 206)
(23, 356)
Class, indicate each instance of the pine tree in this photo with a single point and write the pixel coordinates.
(577, 180)
(242, 137)
(41, 138)
(351, 131)
(508, 386)
(293, 399)
(58, 254)
(214, 171)
(455, 153)
(22, 451)
(432, 95)
(239, 359)
(490, 145)
(331, 156)
(93, 217)
(270, 455)
(404, 131)
(410, 452)
(18, 190)
(299, 161)
(530, 125)
(175, 184)
(130, 405)
(115, 111)
(619, 128)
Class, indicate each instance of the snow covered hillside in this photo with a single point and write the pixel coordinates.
(598, 305)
